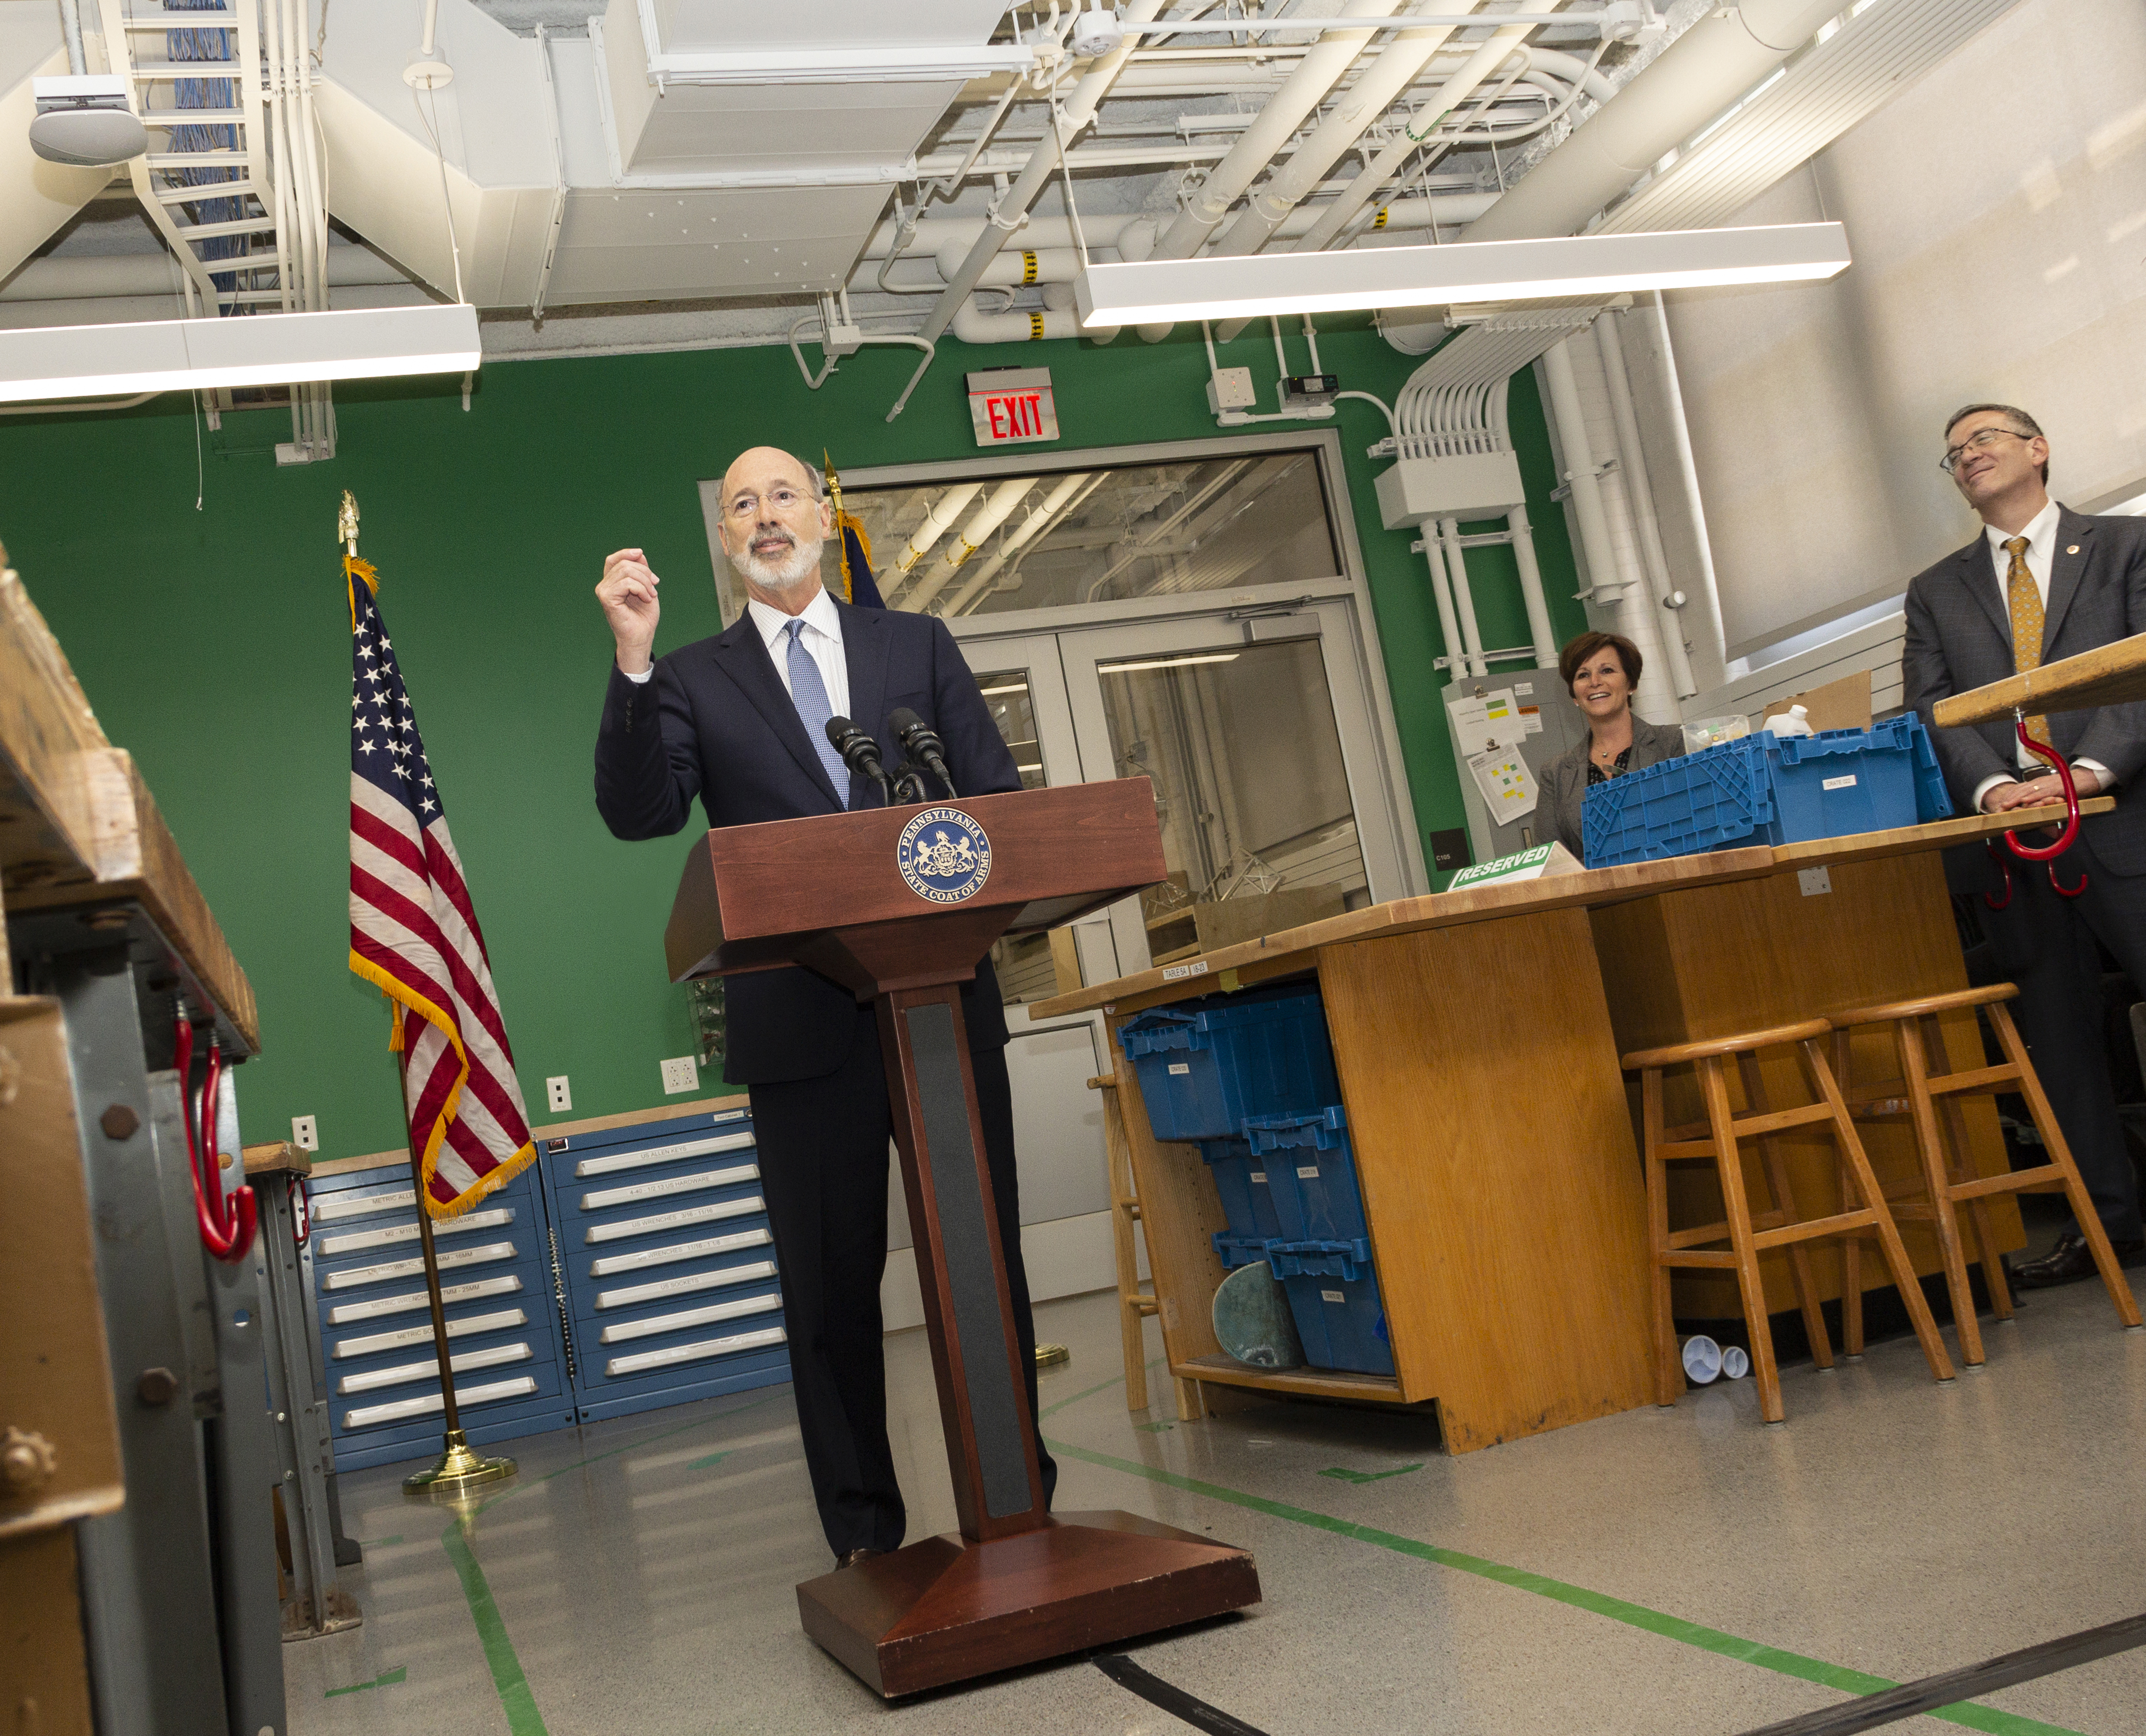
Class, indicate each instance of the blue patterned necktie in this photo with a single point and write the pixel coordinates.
(809, 693)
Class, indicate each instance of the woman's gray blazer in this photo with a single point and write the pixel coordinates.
(1564, 779)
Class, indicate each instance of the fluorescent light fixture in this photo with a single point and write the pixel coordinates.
(1232, 287)
(265, 349)
(1165, 663)
(1010, 687)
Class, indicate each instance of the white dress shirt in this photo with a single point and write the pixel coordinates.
(2041, 534)
(822, 638)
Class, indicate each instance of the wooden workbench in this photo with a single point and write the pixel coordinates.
(1477, 1048)
(2108, 675)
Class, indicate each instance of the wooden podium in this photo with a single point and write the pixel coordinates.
(898, 906)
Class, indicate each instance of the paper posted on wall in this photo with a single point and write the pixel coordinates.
(1509, 788)
(1490, 720)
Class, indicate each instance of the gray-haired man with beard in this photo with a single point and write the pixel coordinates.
(740, 722)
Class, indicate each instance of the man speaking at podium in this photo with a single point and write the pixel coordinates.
(739, 721)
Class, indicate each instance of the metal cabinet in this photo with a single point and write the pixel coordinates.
(670, 1283)
(503, 1329)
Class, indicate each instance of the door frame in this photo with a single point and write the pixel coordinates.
(973, 632)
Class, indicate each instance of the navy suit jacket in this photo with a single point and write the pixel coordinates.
(715, 722)
(1960, 636)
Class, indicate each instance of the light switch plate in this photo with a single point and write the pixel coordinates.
(558, 1093)
(305, 1133)
(681, 1074)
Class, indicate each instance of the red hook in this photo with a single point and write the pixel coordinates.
(2060, 889)
(226, 1229)
(2030, 853)
(2005, 868)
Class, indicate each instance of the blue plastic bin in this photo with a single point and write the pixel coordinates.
(1765, 790)
(1341, 1319)
(1240, 1178)
(1240, 1251)
(1311, 1175)
(1842, 782)
(1205, 1065)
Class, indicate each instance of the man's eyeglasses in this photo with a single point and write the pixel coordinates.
(1975, 443)
(783, 500)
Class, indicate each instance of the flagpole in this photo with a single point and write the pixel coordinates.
(458, 1470)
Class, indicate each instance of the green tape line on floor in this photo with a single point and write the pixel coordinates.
(1652, 1621)
(386, 1678)
(512, 1687)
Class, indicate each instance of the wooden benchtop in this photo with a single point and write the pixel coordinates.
(2108, 675)
(1296, 949)
(77, 824)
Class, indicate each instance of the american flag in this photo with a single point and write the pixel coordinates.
(413, 932)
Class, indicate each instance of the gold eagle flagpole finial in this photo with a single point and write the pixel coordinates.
(346, 524)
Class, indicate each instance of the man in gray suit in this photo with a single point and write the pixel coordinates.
(2041, 583)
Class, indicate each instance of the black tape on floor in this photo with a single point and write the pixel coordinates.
(1175, 1701)
(1972, 1683)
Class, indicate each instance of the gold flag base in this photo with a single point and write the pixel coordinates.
(459, 1471)
(1046, 1355)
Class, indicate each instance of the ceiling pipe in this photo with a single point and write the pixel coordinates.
(997, 507)
(1715, 61)
(1321, 69)
(1366, 101)
(1487, 61)
(942, 513)
(81, 277)
(1010, 209)
(1056, 505)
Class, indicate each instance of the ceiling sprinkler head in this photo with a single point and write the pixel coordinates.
(83, 122)
(427, 71)
(1096, 32)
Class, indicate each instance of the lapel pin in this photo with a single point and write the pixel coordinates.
(2073, 550)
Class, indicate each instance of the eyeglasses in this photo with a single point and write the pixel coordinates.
(1975, 443)
(785, 500)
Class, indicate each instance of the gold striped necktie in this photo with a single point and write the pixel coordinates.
(2026, 613)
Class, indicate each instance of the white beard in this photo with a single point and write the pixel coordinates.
(801, 563)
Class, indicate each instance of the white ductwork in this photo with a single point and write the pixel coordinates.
(1323, 67)
(1718, 58)
(998, 505)
(1640, 497)
(1610, 592)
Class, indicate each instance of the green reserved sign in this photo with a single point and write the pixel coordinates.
(1544, 860)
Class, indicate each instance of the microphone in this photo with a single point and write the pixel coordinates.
(860, 753)
(919, 741)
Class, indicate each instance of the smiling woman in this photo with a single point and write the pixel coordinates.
(1600, 669)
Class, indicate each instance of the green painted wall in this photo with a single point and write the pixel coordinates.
(213, 645)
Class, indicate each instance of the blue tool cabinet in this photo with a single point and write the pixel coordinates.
(670, 1278)
(376, 1332)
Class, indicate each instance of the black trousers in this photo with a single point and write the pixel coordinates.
(823, 1160)
(2045, 944)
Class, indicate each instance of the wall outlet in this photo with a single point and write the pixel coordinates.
(305, 1133)
(559, 1096)
(681, 1074)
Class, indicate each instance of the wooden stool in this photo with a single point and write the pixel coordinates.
(1135, 1304)
(1715, 1140)
(1949, 1180)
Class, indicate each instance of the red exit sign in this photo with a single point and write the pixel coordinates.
(1012, 406)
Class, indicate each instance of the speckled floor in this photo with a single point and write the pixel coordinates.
(1683, 1570)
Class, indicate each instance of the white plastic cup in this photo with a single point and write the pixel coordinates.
(1702, 1359)
(1735, 1361)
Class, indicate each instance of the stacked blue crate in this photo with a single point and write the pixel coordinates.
(671, 1284)
(1250, 1078)
(503, 1332)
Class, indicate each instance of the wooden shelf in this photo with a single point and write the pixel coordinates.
(2108, 675)
(1316, 1383)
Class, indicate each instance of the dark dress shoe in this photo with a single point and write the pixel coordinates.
(2069, 1261)
(855, 1556)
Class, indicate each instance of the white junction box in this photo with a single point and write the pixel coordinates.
(1472, 485)
(305, 1133)
(1231, 388)
(681, 1074)
(559, 1094)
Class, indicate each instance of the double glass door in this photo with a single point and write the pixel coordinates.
(1256, 728)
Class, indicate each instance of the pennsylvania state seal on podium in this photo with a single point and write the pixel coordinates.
(944, 855)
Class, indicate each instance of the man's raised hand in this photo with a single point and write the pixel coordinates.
(627, 592)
